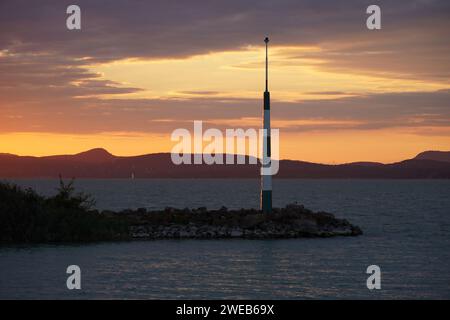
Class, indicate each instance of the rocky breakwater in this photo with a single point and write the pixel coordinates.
(293, 221)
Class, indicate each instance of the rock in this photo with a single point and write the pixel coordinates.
(356, 231)
(236, 233)
(251, 220)
(293, 221)
(295, 207)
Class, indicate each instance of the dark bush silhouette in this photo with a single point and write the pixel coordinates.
(26, 217)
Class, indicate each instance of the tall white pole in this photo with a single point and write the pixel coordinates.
(266, 177)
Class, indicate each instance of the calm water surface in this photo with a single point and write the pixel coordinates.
(406, 228)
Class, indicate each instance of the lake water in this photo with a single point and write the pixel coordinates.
(406, 226)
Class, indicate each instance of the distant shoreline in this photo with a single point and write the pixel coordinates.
(222, 178)
(100, 164)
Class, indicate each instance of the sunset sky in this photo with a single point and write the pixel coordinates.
(137, 70)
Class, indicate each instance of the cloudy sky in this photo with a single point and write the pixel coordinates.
(137, 70)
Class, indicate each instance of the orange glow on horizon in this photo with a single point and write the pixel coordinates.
(322, 147)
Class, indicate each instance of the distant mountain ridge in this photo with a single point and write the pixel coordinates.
(99, 163)
(434, 155)
(97, 155)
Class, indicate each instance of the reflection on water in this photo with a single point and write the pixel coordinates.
(406, 225)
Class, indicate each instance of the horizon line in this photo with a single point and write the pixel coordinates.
(234, 154)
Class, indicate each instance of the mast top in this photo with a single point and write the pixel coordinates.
(266, 40)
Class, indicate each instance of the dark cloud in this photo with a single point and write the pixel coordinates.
(375, 111)
(118, 29)
(44, 85)
(90, 115)
(46, 79)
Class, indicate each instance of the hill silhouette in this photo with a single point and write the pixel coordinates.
(97, 155)
(99, 163)
(434, 155)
